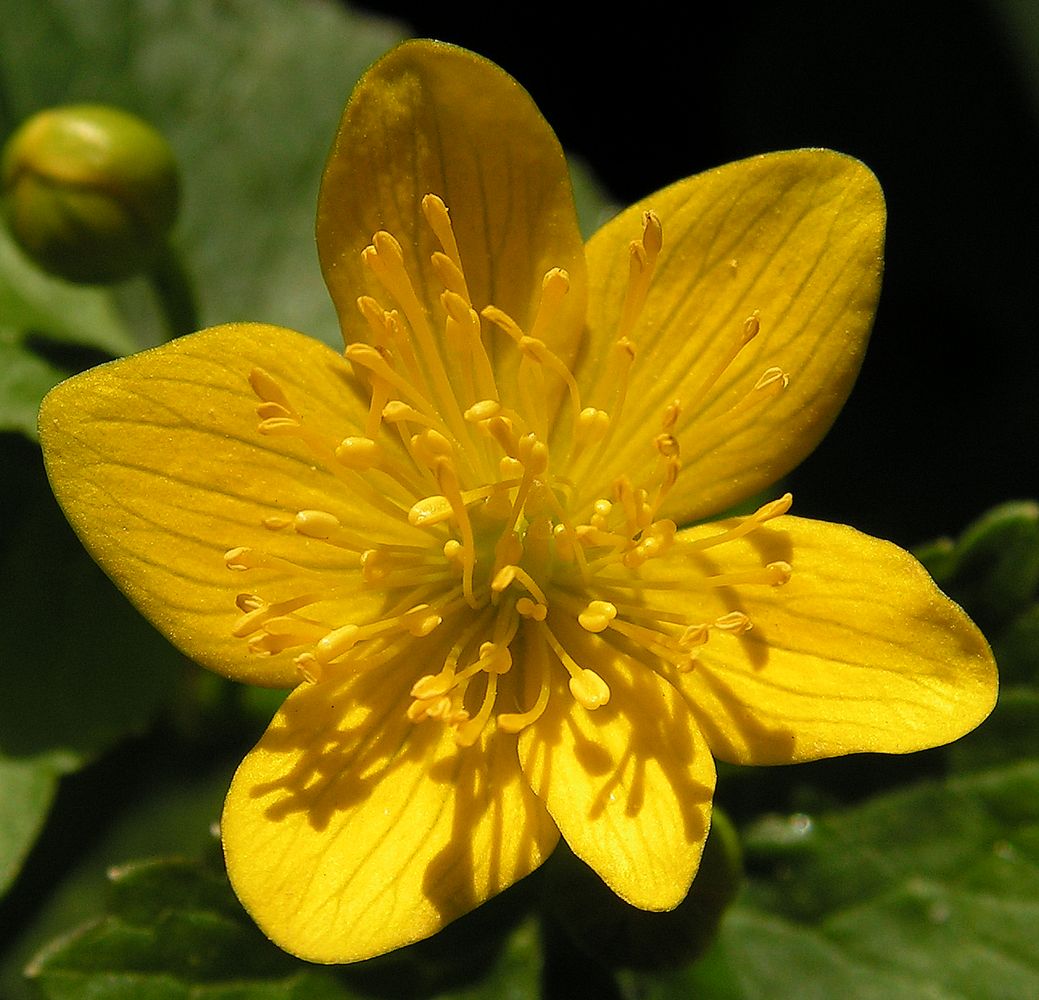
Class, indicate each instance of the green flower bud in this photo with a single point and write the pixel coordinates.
(90, 192)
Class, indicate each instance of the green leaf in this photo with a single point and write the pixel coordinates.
(82, 668)
(34, 302)
(174, 931)
(25, 378)
(594, 207)
(247, 92)
(992, 569)
(929, 892)
(26, 790)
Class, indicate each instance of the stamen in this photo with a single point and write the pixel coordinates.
(751, 328)
(766, 512)
(586, 686)
(735, 622)
(507, 574)
(359, 453)
(502, 534)
(385, 259)
(439, 220)
(642, 259)
(775, 574)
(257, 611)
(513, 722)
(554, 287)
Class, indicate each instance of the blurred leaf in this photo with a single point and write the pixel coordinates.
(928, 892)
(992, 569)
(594, 207)
(25, 378)
(34, 302)
(83, 669)
(174, 931)
(617, 934)
(152, 798)
(248, 92)
(28, 789)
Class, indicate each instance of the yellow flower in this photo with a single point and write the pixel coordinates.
(459, 539)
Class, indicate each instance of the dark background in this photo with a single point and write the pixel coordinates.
(940, 99)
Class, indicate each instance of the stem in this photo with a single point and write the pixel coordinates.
(175, 293)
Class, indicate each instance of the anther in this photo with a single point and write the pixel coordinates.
(531, 609)
(438, 218)
(735, 622)
(667, 445)
(360, 453)
(554, 287)
(316, 524)
(239, 559)
(751, 327)
(772, 379)
(309, 667)
(592, 425)
(485, 409)
(336, 643)
(264, 385)
(453, 280)
(429, 511)
(589, 689)
(642, 258)
(597, 616)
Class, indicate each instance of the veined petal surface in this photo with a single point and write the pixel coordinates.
(794, 239)
(858, 651)
(430, 118)
(158, 464)
(349, 831)
(630, 783)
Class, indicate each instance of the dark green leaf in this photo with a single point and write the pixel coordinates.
(929, 892)
(174, 931)
(31, 301)
(248, 92)
(82, 668)
(26, 790)
(25, 378)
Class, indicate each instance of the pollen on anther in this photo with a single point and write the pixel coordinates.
(597, 616)
(589, 689)
(359, 453)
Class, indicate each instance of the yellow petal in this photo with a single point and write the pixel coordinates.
(630, 783)
(349, 832)
(159, 466)
(429, 118)
(858, 651)
(793, 239)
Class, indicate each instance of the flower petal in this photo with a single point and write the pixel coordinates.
(348, 831)
(429, 118)
(630, 783)
(159, 466)
(858, 651)
(793, 238)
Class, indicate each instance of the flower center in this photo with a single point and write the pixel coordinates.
(479, 544)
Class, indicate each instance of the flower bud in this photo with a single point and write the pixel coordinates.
(90, 192)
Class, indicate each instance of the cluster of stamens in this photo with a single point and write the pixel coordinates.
(495, 555)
